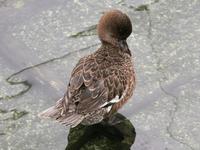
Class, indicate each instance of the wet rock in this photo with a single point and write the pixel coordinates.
(103, 136)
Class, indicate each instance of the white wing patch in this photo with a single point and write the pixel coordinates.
(113, 101)
(108, 108)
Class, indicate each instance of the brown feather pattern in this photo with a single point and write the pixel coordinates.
(99, 78)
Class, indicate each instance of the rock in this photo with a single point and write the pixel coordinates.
(103, 136)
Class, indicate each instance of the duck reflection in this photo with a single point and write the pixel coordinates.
(116, 133)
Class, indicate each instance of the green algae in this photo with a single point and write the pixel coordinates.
(12, 80)
(88, 32)
(3, 111)
(13, 114)
(16, 114)
(144, 7)
(102, 136)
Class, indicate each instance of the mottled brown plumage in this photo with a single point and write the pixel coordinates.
(101, 82)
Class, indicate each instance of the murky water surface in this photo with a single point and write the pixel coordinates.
(41, 41)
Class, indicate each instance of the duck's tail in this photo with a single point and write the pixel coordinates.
(59, 113)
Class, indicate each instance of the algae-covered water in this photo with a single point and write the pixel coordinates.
(42, 40)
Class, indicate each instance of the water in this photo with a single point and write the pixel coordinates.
(41, 41)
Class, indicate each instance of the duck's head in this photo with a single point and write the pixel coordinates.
(114, 28)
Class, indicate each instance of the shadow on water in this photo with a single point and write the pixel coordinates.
(118, 133)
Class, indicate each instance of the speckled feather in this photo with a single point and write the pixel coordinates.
(99, 78)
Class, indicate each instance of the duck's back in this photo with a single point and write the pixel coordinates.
(101, 82)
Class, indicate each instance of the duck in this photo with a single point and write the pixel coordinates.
(102, 82)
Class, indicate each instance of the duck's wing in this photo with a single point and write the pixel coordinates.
(93, 86)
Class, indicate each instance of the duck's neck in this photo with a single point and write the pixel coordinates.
(117, 45)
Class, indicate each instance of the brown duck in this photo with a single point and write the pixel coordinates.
(102, 82)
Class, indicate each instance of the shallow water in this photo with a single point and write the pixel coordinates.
(41, 41)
